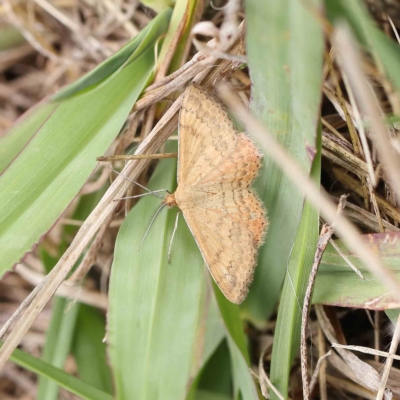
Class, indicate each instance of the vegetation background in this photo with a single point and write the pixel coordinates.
(79, 79)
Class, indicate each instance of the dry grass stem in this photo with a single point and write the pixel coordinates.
(75, 293)
(366, 350)
(91, 255)
(123, 157)
(320, 375)
(320, 368)
(350, 61)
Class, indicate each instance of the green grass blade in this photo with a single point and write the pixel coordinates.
(288, 325)
(68, 382)
(285, 49)
(338, 285)
(154, 306)
(58, 343)
(49, 172)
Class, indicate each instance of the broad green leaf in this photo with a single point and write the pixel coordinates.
(284, 48)
(51, 169)
(67, 381)
(337, 284)
(154, 306)
(288, 325)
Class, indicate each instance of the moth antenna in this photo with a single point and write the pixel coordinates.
(137, 183)
(152, 221)
(141, 195)
(173, 235)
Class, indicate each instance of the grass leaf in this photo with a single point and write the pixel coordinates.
(288, 325)
(285, 37)
(63, 379)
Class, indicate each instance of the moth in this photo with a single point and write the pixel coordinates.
(216, 167)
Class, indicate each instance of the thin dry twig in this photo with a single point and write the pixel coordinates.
(318, 368)
(25, 303)
(325, 236)
(90, 257)
(128, 157)
(265, 381)
(389, 362)
(346, 259)
(321, 345)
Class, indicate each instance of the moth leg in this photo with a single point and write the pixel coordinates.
(173, 235)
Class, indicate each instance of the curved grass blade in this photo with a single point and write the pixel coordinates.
(68, 382)
(285, 49)
(154, 306)
(54, 165)
(288, 325)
